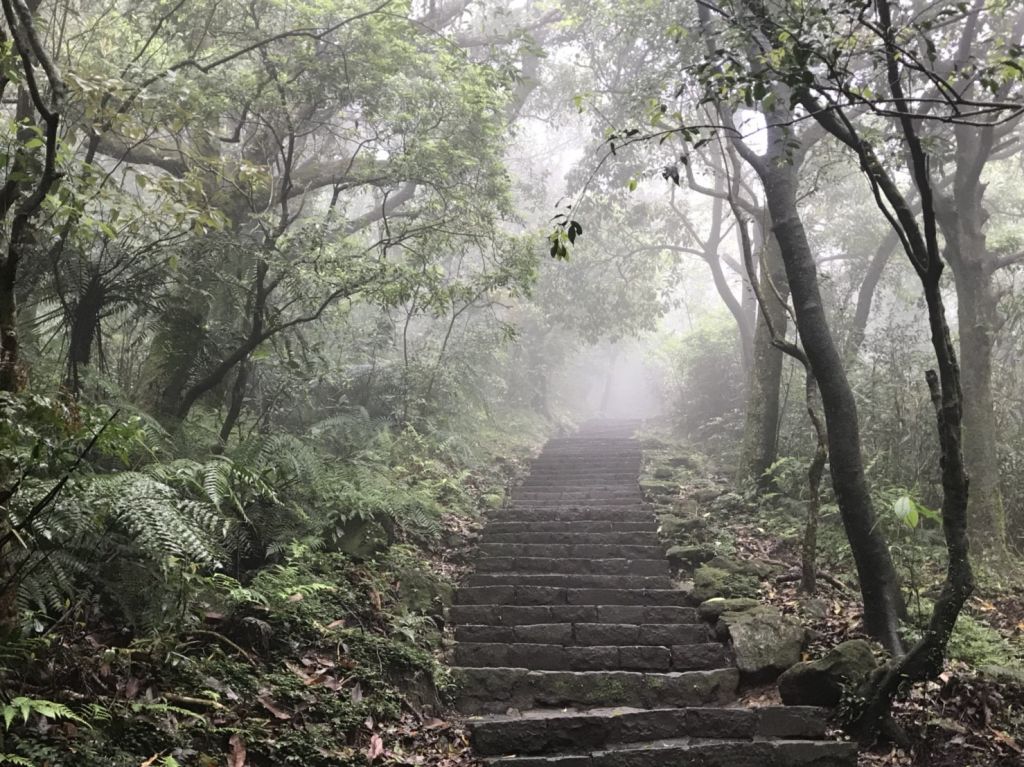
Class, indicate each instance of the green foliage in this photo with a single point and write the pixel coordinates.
(47, 709)
(911, 513)
(706, 376)
(979, 644)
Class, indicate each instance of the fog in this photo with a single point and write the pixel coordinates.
(293, 294)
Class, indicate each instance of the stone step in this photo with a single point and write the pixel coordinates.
(582, 452)
(600, 482)
(541, 475)
(588, 459)
(572, 580)
(519, 615)
(495, 690)
(541, 732)
(609, 446)
(571, 550)
(634, 501)
(625, 539)
(581, 516)
(688, 752)
(557, 466)
(562, 487)
(578, 566)
(588, 489)
(554, 657)
(585, 634)
(588, 436)
(561, 527)
(576, 497)
(557, 595)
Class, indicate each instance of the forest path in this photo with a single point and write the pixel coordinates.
(574, 649)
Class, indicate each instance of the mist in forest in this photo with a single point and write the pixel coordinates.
(293, 294)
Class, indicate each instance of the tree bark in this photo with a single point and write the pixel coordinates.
(866, 294)
(961, 218)
(761, 427)
(235, 404)
(84, 323)
(883, 602)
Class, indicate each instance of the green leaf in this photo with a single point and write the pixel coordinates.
(632, 184)
(906, 511)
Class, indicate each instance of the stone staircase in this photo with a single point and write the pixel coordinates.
(573, 649)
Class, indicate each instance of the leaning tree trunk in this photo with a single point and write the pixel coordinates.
(761, 427)
(883, 602)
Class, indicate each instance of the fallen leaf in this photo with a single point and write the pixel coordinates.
(277, 712)
(1006, 740)
(376, 747)
(236, 752)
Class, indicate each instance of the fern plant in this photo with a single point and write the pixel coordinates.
(47, 709)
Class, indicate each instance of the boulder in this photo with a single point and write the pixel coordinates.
(671, 526)
(707, 494)
(683, 461)
(752, 567)
(664, 472)
(764, 641)
(814, 609)
(686, 507)
(710, 582)
(654, 491)
(821, 682)
(712, 609)
(689, 556)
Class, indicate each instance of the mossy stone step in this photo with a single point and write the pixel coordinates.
(561, 476)
(495, 690)
(539, 732)
(579, 565)
(556, 657)
(592, 486)
(587, 633)
(580, 516)
(562, 527)
(572, 550)
(562, 494)
(705, 753)
(519, 615)
(572, 580)
(625, 539)
(556, 595)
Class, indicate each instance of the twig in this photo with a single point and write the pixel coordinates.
(230, 643)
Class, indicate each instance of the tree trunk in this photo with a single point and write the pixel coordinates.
(84, 321)
(168, 368)
(9, 374)
(235, 403)
(961, 223)
(883, 602)
(761, 428)
(866, 294)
